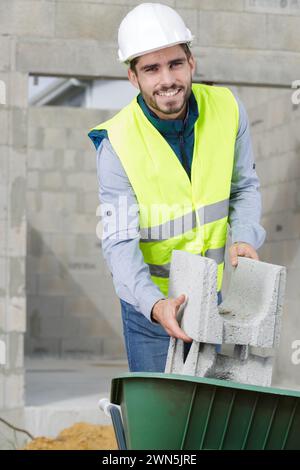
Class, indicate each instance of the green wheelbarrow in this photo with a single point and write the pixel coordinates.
(173, 412)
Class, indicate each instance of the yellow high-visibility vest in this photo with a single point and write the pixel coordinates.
(176, 213)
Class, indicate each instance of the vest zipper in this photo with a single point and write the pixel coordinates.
(184, 155)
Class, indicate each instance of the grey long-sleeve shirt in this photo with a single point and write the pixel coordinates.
(120, 218)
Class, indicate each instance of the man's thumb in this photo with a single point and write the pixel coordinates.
(181, 299)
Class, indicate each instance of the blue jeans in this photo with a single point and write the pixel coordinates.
(146, 343)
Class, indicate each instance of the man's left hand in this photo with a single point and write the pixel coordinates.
(241, 249)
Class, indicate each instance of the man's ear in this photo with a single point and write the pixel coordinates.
(133, 78)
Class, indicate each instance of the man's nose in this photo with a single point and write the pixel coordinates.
(166, 78)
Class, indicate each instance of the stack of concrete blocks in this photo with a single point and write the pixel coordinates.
(248, 319)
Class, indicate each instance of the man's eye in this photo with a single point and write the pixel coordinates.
(151, 69)
(176, 64)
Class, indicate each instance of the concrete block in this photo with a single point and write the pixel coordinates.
(228, 29)
(5, 56)
(56, 56)
(263, 66)
(16, 276)
(218, 5)
(201, 320)
(77, 139)
(55, 285)
(16, 234)
(35, 140)
(27, 18)
(45, 305)
(82, 22)
(33, 179)
(16, 315)
(54, 138)
(79, 117)
(75, 224)
(4, 123)
(15, 351)
(3, 268)
(14, 391)
(3, 314)
(52, 180)
(4, 152)
(288, 7)
(42, 159)
(74, 160)
(82, 180)
(64, 202)
(40, 347)
(255, 322)
(18, 128)
(16, 85)
(4, 202)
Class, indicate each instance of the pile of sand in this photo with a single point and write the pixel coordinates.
(80, 436)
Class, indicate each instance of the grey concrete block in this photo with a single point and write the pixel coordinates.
(18, 128)
(33, 180)
(230, 29)
(16, 88)
(54, 138)
(218, 5)
(288, 7)
(51, 180)
(84, 22)
(253, 306)
(82, 180)
(201, 320)
(5, 57)
(16, 315)
(27, 18)
(263, 67)
(43, 347)
(4, 123)
(42, 159)
(15, 351)
(57, 56)
(17, 277)
(13, 391)
(3, 268)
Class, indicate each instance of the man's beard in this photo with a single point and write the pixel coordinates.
(168, 109)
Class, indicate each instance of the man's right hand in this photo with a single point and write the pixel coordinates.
(165, 312)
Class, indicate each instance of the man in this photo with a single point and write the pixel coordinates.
(174, 167)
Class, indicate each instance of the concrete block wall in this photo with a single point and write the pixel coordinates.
(71, 305)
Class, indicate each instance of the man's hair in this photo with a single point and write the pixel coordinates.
(185, 47)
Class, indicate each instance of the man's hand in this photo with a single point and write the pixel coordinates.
(241, 249)
(165, 311)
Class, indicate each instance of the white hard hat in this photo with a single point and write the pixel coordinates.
(150, 27)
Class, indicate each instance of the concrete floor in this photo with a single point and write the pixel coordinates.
(59, 393)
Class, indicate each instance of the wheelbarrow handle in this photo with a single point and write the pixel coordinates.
(113, 411)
